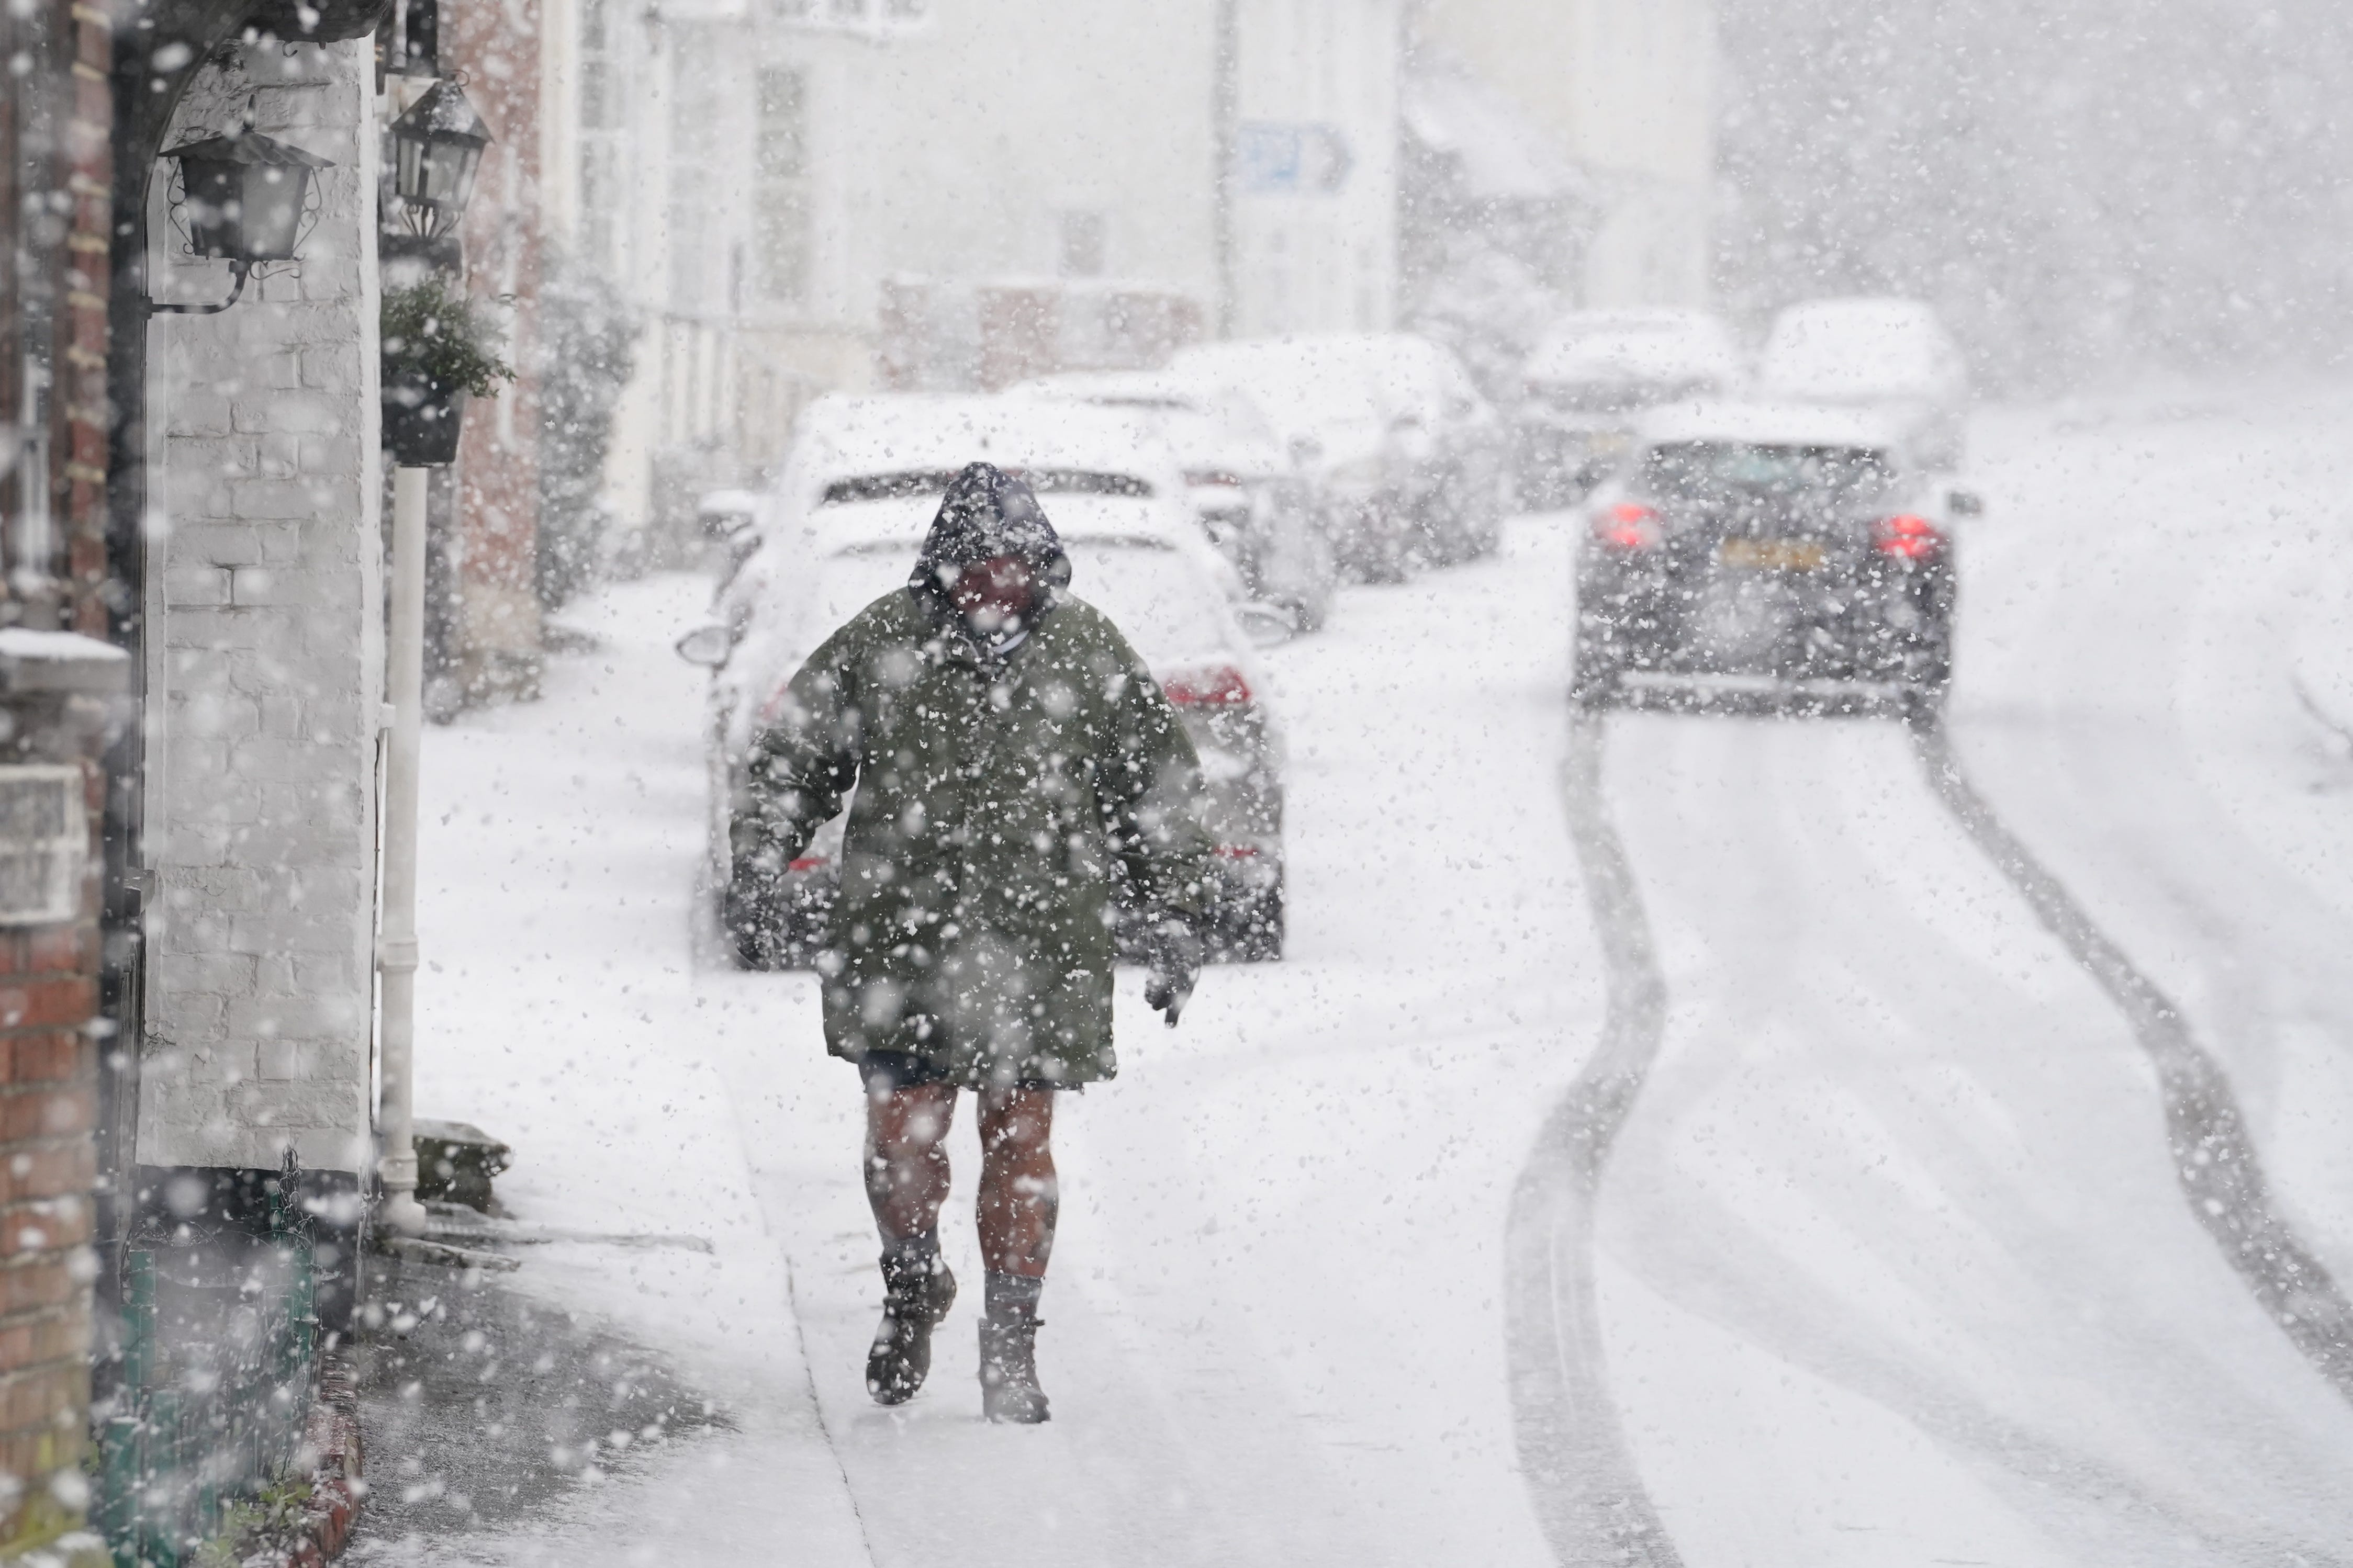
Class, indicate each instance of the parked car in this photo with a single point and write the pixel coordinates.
(1253, 505)
(1764, 554)
(1589, 381)
(1891, 355)
(849, 511)
(1407, 456)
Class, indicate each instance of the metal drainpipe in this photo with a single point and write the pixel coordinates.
(396, 947)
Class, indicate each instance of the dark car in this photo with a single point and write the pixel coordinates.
(1761, 555)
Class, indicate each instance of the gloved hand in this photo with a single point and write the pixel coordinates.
(1172, 952)
(749, 908)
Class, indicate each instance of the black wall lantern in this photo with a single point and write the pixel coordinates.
(246, 196)
(438, 149)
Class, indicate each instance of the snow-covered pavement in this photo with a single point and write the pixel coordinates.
(1890, 1263)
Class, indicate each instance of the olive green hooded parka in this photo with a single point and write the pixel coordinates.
(1006, 802)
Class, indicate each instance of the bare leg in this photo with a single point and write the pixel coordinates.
(906, 1181)
(907, 1158)
(1019, 1199)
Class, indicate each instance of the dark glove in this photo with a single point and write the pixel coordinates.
(1173, 954)
(749, 909)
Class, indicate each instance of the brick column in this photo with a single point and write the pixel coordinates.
(497, 656)
(53, 696)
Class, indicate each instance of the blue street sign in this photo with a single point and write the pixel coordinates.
(1275, 159)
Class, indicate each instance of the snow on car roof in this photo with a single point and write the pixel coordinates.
(841, 437)
(1206, 421)
(1690, 348)
(1766, 424)
(905, 520)
(1143, 386)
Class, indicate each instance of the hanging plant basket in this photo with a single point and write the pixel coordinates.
(422, 419)
(439, 349)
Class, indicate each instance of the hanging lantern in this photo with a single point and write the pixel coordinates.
(245, 196)
(438, 149)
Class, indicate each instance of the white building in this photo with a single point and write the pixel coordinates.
(777, 179)
(1625, 91)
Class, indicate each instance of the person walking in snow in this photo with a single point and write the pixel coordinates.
(1020, 781)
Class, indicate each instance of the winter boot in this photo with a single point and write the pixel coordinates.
(1009, 1352)
(917, 1291)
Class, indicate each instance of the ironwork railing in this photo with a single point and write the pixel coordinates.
(220, 1355)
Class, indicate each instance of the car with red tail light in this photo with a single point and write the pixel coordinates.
(1765, 555)
(856, 498)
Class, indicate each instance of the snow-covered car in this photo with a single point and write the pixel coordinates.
(1891, 355)
(1253, 504)
(1761, 555)
(854, 501)
(1588, 380)
(1408, 457)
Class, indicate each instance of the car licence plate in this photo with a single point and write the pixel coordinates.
(1772, 554)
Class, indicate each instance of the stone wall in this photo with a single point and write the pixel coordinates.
(265, 656)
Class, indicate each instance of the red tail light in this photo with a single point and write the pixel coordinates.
(1213, 476)
(1220, 687)
(1911, 538)
(1236, 851)
(812, 863)
(1628, 525)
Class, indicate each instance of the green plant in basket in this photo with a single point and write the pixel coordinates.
(443, 337)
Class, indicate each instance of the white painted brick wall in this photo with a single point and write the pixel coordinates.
(266, 652)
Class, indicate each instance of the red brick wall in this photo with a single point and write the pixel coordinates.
(498, 621)
(55, 120)
(48, 1105)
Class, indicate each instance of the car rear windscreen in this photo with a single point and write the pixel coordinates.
(935, 481)
(1715, 472)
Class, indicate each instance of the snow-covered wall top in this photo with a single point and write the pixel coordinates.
(264, 597)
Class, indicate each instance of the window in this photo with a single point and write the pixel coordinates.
(602, 119)
(781, 227)
(44, 844)
(1079, 250)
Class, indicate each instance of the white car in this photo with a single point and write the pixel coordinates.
(1891, 355)
(1407, 455)
(1588, 381)
(843, 527)
(1253, 504)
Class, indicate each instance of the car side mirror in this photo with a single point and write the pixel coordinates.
(1965, 503)
(1267, 625)
(707, 645)
(727, 514)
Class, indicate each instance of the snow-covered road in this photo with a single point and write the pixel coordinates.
(1889, 1260)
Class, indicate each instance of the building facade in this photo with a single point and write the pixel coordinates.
(776, 180)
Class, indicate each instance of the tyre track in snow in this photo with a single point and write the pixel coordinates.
(1588, 1494)
(1573, 1450)
(2213, 1156)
